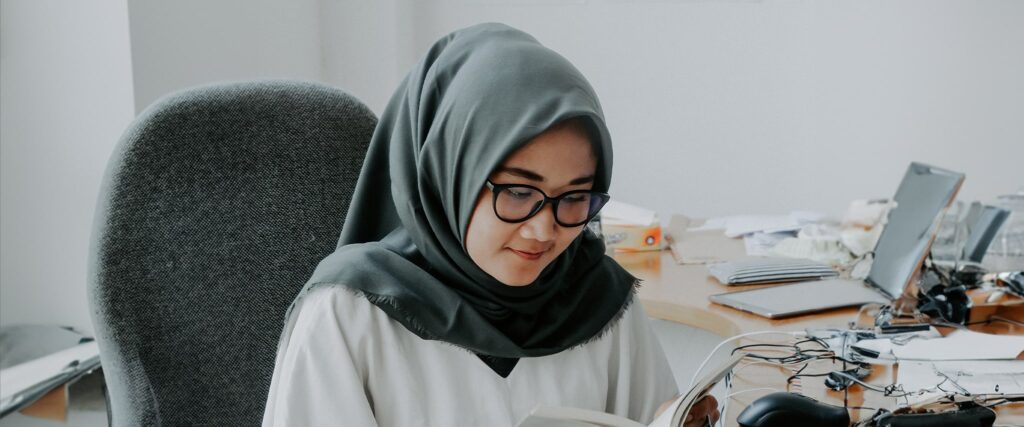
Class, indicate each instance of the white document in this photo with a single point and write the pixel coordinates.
(963, 377)
(962, 345)
(958, 345)
(740, 225)
(761, 244)
(832, 253)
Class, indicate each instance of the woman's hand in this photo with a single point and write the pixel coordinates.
(705, 408)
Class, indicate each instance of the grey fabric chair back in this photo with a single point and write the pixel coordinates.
(215, 209)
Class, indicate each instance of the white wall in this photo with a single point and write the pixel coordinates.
(73, 77)
(65, 98)
(717, 107)
(183, 43)
(367, 46)
(722, 107)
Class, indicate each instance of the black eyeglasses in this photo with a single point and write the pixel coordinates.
(518, 202)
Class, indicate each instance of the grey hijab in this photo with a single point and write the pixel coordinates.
(478, 95)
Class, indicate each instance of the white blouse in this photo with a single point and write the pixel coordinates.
(343, 361)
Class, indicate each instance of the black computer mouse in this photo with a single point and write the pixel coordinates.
(782, 409)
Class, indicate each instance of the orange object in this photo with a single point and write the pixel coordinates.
(632, 237)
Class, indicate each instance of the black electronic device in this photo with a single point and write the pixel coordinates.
(902, 328)
(939, 300)
(968, 274)
(975, 416)
(782, 409)
(840, 380)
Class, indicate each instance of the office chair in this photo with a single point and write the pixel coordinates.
(216, 207)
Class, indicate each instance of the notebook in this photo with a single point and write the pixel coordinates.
(923, 195)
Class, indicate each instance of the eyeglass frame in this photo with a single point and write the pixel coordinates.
(553, 201)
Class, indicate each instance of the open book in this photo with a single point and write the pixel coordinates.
(672, 416)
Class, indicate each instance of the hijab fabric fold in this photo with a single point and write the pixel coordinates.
(477, 96)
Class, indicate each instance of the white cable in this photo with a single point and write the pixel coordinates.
(784, 365)
(730, 395)
(796, 334)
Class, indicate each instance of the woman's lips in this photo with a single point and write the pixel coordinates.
(528, 255)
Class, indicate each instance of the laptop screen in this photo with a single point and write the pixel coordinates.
(921, 198)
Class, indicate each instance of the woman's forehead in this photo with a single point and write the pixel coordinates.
(558, 155)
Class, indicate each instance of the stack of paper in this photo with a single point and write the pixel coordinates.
(740, 225)
(958, 345)
(966, 377)
(769, 270)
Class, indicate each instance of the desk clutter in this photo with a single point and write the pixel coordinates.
(921, 244)
(920, 264)
(949, 378)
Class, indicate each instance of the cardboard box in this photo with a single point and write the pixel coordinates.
(622, 237)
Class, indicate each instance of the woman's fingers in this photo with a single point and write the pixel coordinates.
(706, 407)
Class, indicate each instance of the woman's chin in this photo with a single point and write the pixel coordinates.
(519, 279)
(517, 283)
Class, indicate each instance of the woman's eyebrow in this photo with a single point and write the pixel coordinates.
(534, 176)
(522, 173)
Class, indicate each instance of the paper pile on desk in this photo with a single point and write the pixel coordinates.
(798, 234)
(863, 224)
(958, 345)
(740, 225)
(817, 242)
(964, 377)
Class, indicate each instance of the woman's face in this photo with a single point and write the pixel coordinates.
(559, 160)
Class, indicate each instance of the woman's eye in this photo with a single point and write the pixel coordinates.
(519, 194)
(576, 198)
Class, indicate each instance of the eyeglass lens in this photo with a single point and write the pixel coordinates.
(517, 203)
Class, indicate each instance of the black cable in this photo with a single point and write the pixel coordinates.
(799, 354)
(862, 408)
(846, 390)
(796, 374)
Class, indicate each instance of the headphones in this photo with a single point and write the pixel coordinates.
(944, 297)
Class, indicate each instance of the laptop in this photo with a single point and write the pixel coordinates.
(923, 195)
(983, 222)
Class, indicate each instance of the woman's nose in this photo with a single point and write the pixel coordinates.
(541, 227)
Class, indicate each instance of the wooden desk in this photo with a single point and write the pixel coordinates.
(679, 293)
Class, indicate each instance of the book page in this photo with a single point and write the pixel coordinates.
(545, 416)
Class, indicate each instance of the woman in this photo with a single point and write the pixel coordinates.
(464, 290)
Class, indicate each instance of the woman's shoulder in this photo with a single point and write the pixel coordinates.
(632, 322)
(339, 304)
